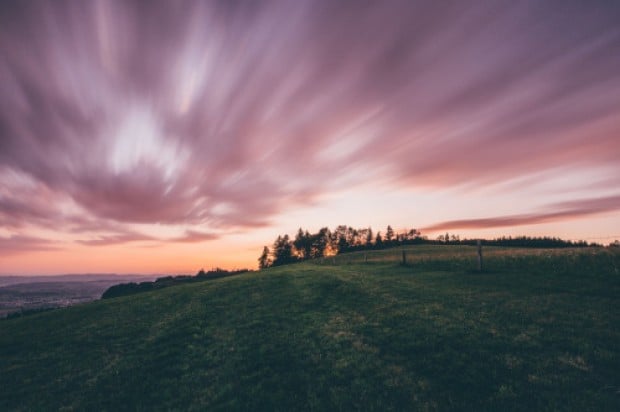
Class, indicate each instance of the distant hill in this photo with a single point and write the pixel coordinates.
(535, 330)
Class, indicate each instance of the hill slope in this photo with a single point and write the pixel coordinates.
(374, 336)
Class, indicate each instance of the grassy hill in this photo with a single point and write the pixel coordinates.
(537, 330)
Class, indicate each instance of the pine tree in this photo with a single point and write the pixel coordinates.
(378, 241)
(369, 237)
(319, 242)
(389, 234)
(264, 261)
(300, 244)
(282, 251)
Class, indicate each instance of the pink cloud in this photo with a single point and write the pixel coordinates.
(561, 211)
(226, 115)
(16, 244)
(116, 239)
(192, 236)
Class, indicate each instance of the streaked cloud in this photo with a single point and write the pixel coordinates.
(552, 213)
(225, 115)
(192, 236)
(107, 240)
(16, 244)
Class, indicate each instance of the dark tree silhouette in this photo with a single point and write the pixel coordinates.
(389, 234)
(282, 251)
(319, 243)
(303, 244)
(378, 241)
(124, 289)
(369, 237)
(263, 260)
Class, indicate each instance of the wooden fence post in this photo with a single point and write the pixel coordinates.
(404, 257)
(479, 243)
(365, 257)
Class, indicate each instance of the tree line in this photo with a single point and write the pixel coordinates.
(124, 289)
(328, 242)
(344, 239)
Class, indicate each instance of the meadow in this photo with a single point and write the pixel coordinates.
(535, 330)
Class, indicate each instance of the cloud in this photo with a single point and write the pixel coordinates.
(120, 237)
(116, 239)
(226, 114)
(14, 212)
(192, 236)
(16, 244)
(561, 211)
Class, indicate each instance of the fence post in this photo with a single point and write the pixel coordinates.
(404, 257)
(365, 257)
(479, 255)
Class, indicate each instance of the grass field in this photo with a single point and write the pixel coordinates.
(537, 330)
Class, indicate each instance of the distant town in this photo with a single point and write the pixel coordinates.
(21, 295)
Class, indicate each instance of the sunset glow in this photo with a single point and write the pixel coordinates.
(165, 137)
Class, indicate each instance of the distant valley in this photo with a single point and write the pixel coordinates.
(23, 294)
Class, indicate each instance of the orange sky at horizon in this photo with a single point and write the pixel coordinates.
(242, 250)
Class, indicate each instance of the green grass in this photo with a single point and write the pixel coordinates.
(376, 336)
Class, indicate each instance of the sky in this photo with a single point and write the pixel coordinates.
(169, 136)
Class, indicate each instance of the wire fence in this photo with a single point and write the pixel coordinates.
(465, 258)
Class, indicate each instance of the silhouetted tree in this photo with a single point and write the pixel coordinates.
(320, 241)
(389, 234)
(339, 239)
(263, 260)
(303, 244)
(378, 241)
(412, 234)
(369, 238)
(343, 245)
(282, 251)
